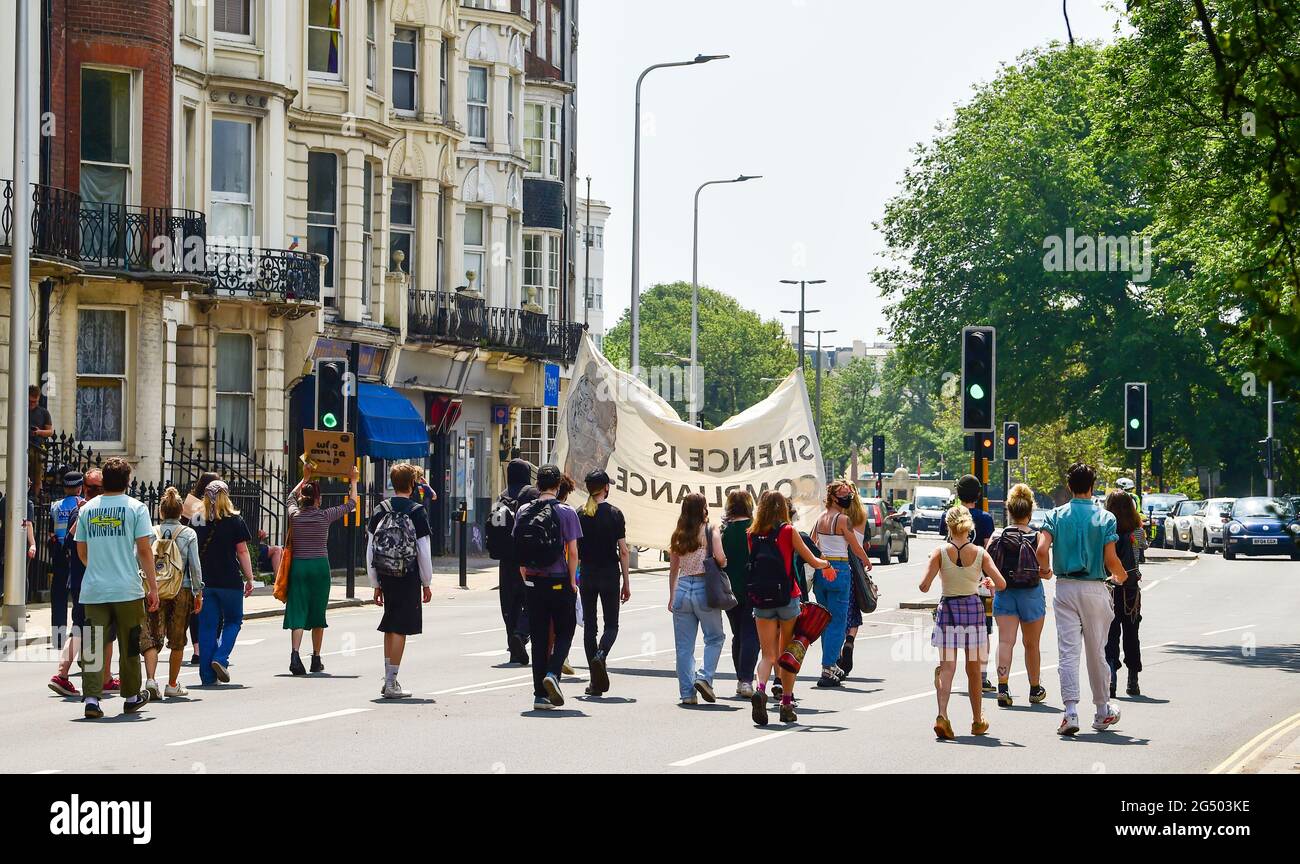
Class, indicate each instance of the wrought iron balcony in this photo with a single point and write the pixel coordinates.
(517, 331)
(271, 275)
(441, 316)
(131, 239)
(54, 221)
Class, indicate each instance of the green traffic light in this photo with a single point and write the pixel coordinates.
(329, 420)
(1135, 423)
(976, 391)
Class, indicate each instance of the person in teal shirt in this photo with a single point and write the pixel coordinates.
(113, 537)
(1080, 539)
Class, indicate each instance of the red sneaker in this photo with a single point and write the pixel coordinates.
(112, 685)
(61, 685)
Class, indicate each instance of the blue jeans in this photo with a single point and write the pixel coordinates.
(691, 613)
(219, 621)
(834, 596)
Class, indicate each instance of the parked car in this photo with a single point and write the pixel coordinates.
(1208, 524)
(929, 505)
(1178, 524)
(1155, 507)
(1262, 526)
(1038, 518)
(886, 536)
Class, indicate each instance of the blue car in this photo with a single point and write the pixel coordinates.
(1262, 526)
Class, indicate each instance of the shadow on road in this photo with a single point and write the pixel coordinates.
(382, 701)
(1283, 657)
(561, 712)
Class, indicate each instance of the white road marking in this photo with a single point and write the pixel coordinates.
(486, 686)
(49, 771)
(503, 629)
(497, 652)
(341, 713)
(731, 748)
(1228, 630)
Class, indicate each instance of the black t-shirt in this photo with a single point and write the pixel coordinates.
(414, 509)
(217, 542)
(38, 418)
(598, 545)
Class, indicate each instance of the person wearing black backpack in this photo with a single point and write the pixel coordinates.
(499, 535)
(775, 595)
(1022, 606)
(399, 564)
(546, 535)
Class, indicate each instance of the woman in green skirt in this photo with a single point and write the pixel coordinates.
(309, 572)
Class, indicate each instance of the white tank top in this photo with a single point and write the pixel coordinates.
(834, 545)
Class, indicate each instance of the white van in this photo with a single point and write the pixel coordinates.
(929, 503)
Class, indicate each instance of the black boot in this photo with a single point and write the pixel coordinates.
(1133, 689)
(316, 665)
(295, 664)
(846, 657)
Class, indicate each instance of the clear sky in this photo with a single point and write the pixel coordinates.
(825, 98)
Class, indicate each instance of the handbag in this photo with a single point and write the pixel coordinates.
(717, 584)
(282, 567)
(864, 588)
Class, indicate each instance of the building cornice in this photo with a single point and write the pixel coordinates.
(233, 83)
(333, 124)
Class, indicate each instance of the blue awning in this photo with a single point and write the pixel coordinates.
(391, 427)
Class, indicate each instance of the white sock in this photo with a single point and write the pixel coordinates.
(1072, 709)
(390, 673)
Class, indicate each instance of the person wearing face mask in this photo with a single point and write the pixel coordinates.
(838, 537)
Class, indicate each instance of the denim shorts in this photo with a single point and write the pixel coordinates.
(1027, 604)
(788, 612)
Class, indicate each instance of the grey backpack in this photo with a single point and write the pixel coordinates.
(394, 542)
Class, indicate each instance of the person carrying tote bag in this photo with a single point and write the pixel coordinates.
(717, 584)
(283, 566)
(865, 591)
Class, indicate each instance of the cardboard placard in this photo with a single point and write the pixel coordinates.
(329, 454)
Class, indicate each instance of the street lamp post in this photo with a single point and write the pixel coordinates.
(636, 201)
(803, 286)
(695, 285)
(802, 313)
(817, 373)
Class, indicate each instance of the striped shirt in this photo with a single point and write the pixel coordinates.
(311, 528)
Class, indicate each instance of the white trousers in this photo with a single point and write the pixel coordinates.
(1084, 610)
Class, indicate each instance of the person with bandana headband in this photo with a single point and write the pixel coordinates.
(837, 536)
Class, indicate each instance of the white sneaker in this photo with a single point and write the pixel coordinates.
(1106, 721)
(154, 691)
(745, 691)
(395, 691)
(178, 691)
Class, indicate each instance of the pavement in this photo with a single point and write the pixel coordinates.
(1219, 694)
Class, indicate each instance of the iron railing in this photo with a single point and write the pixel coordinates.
(125, 237)
(54, 220)
(273, 275)
(445, 317)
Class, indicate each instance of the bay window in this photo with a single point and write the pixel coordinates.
(322, 214)
(475, 247)
(106, 123)
(231, 188)
(476, 100)
(401, 227)
(101, 375)
(235, 389)
(405, 81)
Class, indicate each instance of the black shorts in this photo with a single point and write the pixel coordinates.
(403, 601)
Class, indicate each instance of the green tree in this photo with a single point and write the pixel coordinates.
(737, 348)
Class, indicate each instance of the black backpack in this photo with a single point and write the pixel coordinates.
(501, 528)
(538, 540)
(768, 579)
(1014, 553)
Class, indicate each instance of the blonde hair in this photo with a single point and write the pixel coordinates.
(959, 521)
(593, 489)
(219, 507)
(1020, 502)
(170, 506)
(773, 512)
(857, 516)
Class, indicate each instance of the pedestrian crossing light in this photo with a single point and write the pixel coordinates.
(1135, 416)
(331, 395)
(978, 378)
(1011, 441)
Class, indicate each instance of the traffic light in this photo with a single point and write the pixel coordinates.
(877, 454)
(331, 395)
(978, 378)
(1268, 457)
(985, 450)
(1011, 441)
(1135, 416)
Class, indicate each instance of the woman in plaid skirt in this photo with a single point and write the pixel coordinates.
(959, 621)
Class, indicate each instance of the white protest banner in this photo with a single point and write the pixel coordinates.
(612, 420)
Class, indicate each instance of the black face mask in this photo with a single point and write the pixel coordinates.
(844, 501)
